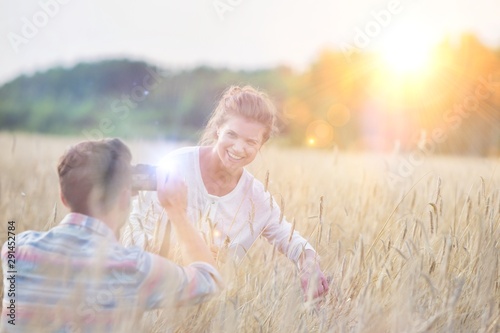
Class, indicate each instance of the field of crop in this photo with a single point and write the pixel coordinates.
(422, 256)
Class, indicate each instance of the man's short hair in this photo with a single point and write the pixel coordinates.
(92, 174)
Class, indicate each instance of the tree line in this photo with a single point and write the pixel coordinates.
(351, 104)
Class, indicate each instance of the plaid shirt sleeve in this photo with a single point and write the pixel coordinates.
(168, 283)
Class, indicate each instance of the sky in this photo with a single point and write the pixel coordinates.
(239, 34)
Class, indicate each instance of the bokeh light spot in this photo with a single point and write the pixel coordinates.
(321, 131)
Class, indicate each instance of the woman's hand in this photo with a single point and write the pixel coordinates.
(313, 281)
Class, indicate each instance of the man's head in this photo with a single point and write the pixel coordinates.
(93, 176)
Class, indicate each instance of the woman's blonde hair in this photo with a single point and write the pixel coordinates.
(245, 102)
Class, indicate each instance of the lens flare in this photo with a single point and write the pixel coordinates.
(321, 132)
(166, 168)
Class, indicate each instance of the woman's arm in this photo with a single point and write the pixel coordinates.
(280, 233)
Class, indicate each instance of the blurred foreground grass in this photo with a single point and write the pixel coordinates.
(419, 257)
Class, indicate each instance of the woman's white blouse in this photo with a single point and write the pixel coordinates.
(234, 220)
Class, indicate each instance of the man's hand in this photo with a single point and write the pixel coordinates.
(172, 192)
(172, 195)
(313, 281)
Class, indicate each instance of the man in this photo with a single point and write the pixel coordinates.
(77, 277)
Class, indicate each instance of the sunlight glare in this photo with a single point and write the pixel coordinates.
(406, 50)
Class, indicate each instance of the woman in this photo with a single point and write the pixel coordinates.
(230, 207)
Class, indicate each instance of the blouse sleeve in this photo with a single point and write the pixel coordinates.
(280, 233)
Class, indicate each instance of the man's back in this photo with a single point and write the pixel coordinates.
(78, 276)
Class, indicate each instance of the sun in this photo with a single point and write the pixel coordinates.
(406, 49)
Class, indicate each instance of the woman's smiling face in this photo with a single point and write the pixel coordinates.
(239, 140)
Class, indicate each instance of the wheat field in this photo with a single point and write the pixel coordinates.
(422, 256)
